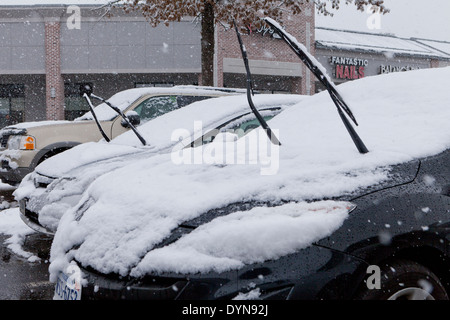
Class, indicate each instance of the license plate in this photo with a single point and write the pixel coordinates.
(67, 288)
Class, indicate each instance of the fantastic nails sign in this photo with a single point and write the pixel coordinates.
(348, 68)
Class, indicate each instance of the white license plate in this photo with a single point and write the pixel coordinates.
(67, 288)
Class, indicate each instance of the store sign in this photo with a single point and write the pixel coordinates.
(388, 69)
(348, 68)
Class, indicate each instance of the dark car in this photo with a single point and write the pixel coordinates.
(390, 231)
(331, 221)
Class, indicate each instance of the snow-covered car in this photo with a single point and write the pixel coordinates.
(25, 145)
(58, 183)
(332, 222)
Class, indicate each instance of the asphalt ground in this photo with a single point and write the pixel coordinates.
(21, 279)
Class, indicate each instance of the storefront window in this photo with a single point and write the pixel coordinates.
(12, 104)
(74, 104)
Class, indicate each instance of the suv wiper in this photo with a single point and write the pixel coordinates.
(250, 92)
(334, 94)
(125, 118)
(91, 107)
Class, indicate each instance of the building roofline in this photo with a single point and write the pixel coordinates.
(412, 39)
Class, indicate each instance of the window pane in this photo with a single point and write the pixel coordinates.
(17, 104)
(185, 100)
(74, 104)
(240, 125)
(12, 104)
(155, 107)
(4, 112)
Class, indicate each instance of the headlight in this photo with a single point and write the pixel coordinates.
(21, 142)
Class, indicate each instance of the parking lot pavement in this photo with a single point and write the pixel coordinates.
(24, 280)
(21, 279)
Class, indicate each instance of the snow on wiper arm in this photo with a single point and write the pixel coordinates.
(91, 107)
(123, 116)
(313, 65)
(261, 120)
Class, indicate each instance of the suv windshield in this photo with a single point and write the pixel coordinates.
(154, 107)
(121, 100)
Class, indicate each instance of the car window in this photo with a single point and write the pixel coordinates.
(240, 125)
(185, 100)
(154, 107)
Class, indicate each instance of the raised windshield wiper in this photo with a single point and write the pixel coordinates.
(125, 118)
(334, 94)
(91, 107)
(250, 92)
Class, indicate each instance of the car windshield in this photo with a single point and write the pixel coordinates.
(121, 100)
(211, 112)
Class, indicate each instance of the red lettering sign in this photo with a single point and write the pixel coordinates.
(349, 72)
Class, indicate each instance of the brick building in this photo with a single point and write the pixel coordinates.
(273, 65)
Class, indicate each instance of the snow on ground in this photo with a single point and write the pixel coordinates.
(123, 215)
(11, 225)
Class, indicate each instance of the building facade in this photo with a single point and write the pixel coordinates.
(349, 55)
(49, 53)
(274, 66)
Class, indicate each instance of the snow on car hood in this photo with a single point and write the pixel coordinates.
(34, 124)
(122, 217)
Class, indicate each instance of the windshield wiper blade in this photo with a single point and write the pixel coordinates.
(334, 94)
(250, 92)
(124, 117)
(91, 107)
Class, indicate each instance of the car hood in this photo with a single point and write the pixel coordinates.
(34, 124)
(50, 197)
(90, 153)
(123, 217)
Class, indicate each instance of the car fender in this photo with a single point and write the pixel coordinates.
(51, 148)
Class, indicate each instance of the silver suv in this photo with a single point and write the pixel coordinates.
(23, 146)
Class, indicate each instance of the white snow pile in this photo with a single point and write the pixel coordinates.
(34, 124)
(123, 215)
(12, 226)
(241, 238)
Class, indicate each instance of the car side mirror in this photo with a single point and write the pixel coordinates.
(133, 117)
